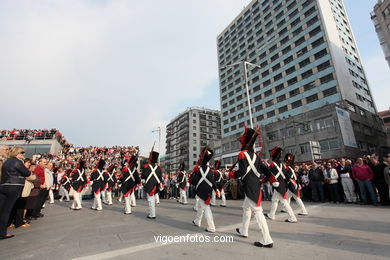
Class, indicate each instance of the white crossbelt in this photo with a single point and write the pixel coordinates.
(280, 172)
(110, 177)
(251, 165)
(100, 175)
(131, 175)
(220, 176)
(184, 177)
(294, 177)
(67, 181)
(80, 175)
(204, 177)
(153, 173)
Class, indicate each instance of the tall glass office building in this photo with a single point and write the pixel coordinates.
(307, 58)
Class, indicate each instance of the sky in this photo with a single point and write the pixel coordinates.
(110, 72)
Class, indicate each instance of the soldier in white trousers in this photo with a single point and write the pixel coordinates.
(153, 182)
(279, 183)
(251, 171)
(203, 180)
(293, 187)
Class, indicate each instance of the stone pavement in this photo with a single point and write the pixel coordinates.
(329, 232)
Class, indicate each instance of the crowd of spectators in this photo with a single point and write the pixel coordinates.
(33, 134)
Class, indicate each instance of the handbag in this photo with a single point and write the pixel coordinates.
(28, 185)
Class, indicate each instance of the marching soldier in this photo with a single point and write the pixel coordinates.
(153, 182)
(203, 180)
(251, 170)
(181, 180)
(220, 182)
(98, 179)
(65, 185)
(111, 182)
(293, 187)
(79, 180)
(279, 183)
(129, 180)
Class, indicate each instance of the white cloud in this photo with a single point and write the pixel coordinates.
(106, 72)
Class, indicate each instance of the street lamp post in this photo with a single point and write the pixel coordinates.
(244, 64)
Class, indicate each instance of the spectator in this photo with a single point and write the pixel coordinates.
(345, 171)
(363, 174)
(387, 171)
(331, 178)
(3, 155)
(11, 186)
(316, 178)
(43, 193)
(379, 179)
(305, 182)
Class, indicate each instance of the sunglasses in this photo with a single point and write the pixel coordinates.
(22, 152)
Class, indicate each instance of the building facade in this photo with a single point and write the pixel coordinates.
(306, 58)
(187, 133)
(385, 115)
(381, 19)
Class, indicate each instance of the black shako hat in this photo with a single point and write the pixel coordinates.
(246, 139)
(133, 160)
(289, 158)
(101, 164)
(276, 153)
(206, 155)
(153, 157)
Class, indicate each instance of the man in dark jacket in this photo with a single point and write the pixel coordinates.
(316, 177)
(379, 179)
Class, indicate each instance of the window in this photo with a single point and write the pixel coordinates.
(272, 136)
(268, 93)
(300, 41)
(309, 86)
(290, 70)
(330, 144)
(281, 98)
(304, 63)
(294, 92)
(315, 31)
(296, 104)
(305, 148)
(329, 91)
(307, 74)
(311, 98)
(292, 81)
(324, 123)
(320, 54)
(282, 109)
(269, 103)
(323, 66)
(326, 78)
(317, 42)
(271, 114)
(279, 87)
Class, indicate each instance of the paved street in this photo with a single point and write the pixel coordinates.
(330, 232)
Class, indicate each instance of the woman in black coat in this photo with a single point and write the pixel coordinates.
(11, 186)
